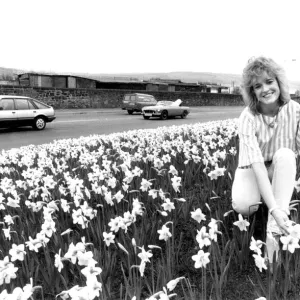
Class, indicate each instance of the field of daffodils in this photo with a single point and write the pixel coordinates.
(143, 214)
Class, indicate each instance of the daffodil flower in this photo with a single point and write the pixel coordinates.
(242, 224)
(201, 259)
(260, 262)
(289, 243)
(198, 215)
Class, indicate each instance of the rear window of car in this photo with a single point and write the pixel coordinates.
(146, 99)
(39, 104)
(127, 98)
(7, 104)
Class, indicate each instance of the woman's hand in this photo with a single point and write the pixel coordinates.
(282, 220)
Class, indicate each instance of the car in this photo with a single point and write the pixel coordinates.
(134, 102)
(17, 111)
(165, 110)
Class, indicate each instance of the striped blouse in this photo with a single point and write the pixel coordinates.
(259, 140)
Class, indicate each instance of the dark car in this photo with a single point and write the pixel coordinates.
(16, 111)
(136, 101)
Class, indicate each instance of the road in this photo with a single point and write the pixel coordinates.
(84, 122)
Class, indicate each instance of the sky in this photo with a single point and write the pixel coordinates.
(143, 36)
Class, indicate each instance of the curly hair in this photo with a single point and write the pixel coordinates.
(254, 69)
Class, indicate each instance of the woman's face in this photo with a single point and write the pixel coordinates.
(266, 88)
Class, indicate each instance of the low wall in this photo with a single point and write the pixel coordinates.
(103, 98)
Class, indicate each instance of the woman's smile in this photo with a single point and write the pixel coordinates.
(266, 89)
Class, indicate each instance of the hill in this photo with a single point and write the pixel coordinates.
(191, 77)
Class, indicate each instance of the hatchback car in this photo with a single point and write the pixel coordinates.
(136, 101)
(16, 111)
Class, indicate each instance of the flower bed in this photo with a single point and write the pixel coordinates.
(143, 214)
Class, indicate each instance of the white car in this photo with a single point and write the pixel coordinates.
(16, 111)
(165, 110)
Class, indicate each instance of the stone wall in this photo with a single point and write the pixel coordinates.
(104, 98)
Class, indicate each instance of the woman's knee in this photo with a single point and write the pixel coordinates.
(285, 156)
(244, 207)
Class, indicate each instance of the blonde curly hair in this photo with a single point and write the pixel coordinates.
(254, 69)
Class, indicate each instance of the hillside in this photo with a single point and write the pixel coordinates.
(191, 77)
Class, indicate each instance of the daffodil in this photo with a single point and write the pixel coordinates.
(242, 224)
(17, 252)
(198, 215)
(260, 262)
(289, 243)
(203, 237)
(168, 205)
(108, 238)
(256, 245)
(164, 233)
(201, 259)
(145, 255)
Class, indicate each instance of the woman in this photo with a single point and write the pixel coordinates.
(269, 139)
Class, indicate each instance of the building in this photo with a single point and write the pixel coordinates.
(55, 81)
(154, 84)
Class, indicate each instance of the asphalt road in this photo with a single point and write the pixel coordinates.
(85, 122)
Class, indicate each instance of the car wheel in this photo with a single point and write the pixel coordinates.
(184, 114)
(39, 123)
(146, 118)
(164, 115)
(130, 112)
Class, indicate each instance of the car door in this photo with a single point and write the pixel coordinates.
(175, 109)
(26, 112)
(8, 113)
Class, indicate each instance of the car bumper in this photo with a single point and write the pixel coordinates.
(151, 114)
(50, 119)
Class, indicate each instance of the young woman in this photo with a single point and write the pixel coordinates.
(269, 142)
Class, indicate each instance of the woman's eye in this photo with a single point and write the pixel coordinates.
(256, 87)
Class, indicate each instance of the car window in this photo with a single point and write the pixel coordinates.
(132, 98)
(39, 105)
(7, 104)
(21, 104)
(164, 103)
(31, 106)
(127, 98)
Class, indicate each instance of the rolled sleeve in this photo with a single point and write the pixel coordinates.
(249, 151)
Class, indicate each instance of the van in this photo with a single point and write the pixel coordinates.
(134, 102)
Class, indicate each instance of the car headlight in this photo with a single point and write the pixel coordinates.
(158, 110)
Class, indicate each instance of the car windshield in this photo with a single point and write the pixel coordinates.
(164, 103)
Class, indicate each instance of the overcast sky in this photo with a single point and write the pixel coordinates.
(123, 36)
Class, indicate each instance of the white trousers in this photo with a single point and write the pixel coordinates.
(282, 174)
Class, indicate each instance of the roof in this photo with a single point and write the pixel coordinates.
(139, 94)
(55, 75)
(12, 96)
